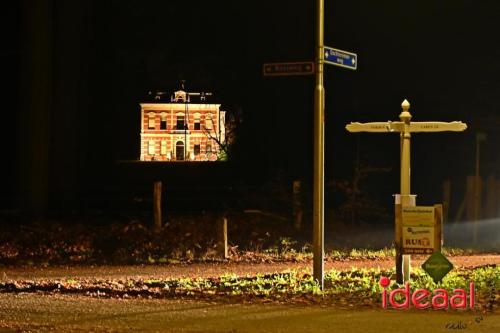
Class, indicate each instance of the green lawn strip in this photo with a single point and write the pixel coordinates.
(291, 255)
(355, 287)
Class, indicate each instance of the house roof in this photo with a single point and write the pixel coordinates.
(180, 96)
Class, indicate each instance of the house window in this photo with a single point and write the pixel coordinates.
(163, 148)
(197, 125)
(163, 121)
(151, 147)
(208, 147)
(180, 122)
(163, 124)
(208, 121)
(196, 150)
(151, 121)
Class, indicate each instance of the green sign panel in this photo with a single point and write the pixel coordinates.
(437, 266)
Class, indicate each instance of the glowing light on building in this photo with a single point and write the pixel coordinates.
(185, 128)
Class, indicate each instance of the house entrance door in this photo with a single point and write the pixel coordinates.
(179, 151)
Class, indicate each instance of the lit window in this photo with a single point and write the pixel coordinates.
(197, 125)
(163, 148)
(180, 122)
(151, 121)
(163, 121)
(196, 150)
(208, 121)
(151, 147)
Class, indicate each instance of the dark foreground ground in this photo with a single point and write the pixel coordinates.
(55, 311)
(63, 313)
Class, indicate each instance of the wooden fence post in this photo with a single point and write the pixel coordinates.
(491, 197)
(297, 204)
(438, 227)
(473, 205)
(222, 237)
(157, 205)
(497, 213)
(446, 199)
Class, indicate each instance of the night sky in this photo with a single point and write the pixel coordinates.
(76, 71)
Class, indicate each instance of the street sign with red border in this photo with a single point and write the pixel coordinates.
(288, 68)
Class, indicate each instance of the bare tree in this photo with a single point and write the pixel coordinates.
(225, 136)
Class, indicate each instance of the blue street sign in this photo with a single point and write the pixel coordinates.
(341, 58)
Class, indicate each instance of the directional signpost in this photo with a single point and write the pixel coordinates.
(332, 56)
(328, 55)
(319, 151)
(404, 127)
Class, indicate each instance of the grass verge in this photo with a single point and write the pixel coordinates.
(358, 287)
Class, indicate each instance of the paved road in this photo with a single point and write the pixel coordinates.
(213, 269)
(63, 313)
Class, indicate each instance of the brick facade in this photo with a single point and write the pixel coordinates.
(180, 130)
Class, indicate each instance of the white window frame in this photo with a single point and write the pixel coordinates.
(151, 120)
(163, 147)
(196, 121)
(177, 120)
(163, 117)
(151, 147)
(208, 121)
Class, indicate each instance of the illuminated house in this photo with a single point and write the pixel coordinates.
(185, 128)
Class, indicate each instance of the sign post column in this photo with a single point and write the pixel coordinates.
(334, 57)
(403, 271)
(402, 260)
(319, 167)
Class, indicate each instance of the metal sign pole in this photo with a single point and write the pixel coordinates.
(405, 118)
(319, 153)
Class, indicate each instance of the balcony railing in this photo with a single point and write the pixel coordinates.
(180, 129)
